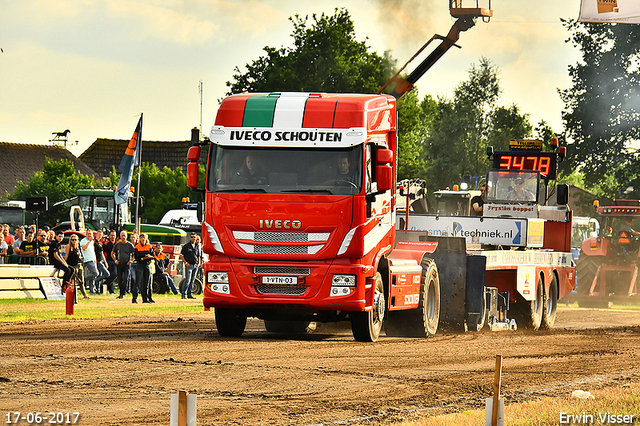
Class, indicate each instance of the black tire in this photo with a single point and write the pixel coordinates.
(196, 287)
(528, 314)
(422, 321)
(289, 327)
(230, 322)
(551, 305)
(366, 326)
(158, 287)
(586, 267)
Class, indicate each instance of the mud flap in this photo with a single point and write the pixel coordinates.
(451, 261)
(476, 305)
(462, 279)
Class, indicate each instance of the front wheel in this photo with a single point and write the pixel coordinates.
(230, 322)
(366, 326)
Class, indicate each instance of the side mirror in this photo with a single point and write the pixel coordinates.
(194, 153)
(384, 177)
(384, 156)
(563, 194)
(192, 173)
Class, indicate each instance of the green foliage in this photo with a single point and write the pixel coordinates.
(162, 189)
(58, 181)
(603, 106)
(415, 119)
(464, 126)
(325, 57)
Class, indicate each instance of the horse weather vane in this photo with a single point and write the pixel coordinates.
(62, 138)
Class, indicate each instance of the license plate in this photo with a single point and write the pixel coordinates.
(276, 280)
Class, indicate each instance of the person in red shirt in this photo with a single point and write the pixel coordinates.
(8, 238)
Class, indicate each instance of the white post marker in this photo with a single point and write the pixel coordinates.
(494, 407)
(183, 409)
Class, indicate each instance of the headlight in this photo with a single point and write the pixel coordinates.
(344, 280)
(214, 277)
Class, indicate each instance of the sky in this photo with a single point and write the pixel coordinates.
(92, 66)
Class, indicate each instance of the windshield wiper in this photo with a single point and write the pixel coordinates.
(243, 190)
(310, 191)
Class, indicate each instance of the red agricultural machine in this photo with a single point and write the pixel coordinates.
(607, 269)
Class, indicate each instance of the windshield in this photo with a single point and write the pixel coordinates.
(583, 229)
(98, 210)
(512, 187)
(291, 170)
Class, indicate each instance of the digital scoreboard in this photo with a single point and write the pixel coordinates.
(544, 162)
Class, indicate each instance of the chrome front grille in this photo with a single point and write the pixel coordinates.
(287, 290)
(258, 242)
(281, 270)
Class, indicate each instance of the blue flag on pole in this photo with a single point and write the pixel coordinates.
(130, 160)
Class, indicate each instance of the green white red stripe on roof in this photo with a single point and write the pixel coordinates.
(304, 119)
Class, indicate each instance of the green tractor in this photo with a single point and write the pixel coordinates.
(100, 211)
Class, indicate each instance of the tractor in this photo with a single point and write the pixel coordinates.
(607, 268)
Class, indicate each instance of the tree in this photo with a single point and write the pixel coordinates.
(58, 181)
(415, 120)
(465, 125)
(162, 190)
(602, 108)
(326, 57)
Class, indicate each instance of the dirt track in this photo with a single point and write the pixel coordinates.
(122, 371)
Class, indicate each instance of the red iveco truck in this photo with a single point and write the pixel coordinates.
(299, 216)
(300, 222)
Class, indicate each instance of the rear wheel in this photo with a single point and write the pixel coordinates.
(230, 322)
(586, 268)
(551, 305)
(366, 326)
(422, 321)
(528, 314)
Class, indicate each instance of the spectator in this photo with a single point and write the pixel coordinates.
(8, 238)
(51, 236)
(89, 260)
(57, 260)
(28, 249)
(101, 262)
(190, 255)
(3, 248)
(134, 242)
(162, 264)
(122, 254)
(18, 239)
(73, 259)
(42, 246)
(108, 247)
(143, 254)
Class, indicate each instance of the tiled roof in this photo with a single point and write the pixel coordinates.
(19, 162)
(103, 154)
